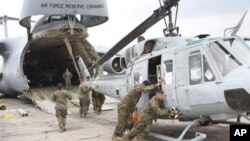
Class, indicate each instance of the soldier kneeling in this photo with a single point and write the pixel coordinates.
(149, 113)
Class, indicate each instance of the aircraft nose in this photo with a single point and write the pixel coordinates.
(238, 99)
(237, 89)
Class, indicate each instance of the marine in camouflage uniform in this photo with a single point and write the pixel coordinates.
(99, 103)
(84, 92)
(149, 113)
(94, 100)
(128, 105)
(60, 97)
(97, 100)
(67, 77)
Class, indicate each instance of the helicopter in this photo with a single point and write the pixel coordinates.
(205, 77)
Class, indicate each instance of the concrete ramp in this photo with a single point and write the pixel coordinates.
(42, 98)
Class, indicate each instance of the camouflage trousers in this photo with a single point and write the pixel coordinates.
(94, 105)
(61, 117)
(68, 84)
(84, 106)
(140, 130)
(98, 108)
(123, 117)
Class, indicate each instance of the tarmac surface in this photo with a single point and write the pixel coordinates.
(42, 126)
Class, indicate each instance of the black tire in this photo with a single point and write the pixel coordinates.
(204, 123)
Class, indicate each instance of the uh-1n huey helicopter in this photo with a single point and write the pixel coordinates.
(206, 78)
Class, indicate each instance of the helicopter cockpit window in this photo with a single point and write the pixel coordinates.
(225, 61)
(207, 72)
(238, 48)
(148, 46)
(195, 68)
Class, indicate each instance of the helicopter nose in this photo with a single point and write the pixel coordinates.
(237, 90)
(238, 99)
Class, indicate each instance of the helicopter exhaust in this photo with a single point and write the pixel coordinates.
(113, 66)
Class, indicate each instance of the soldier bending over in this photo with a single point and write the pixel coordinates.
(150, 112)
(127, 106)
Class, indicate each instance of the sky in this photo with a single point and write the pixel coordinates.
(194, 17)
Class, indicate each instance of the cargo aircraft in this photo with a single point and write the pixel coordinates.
(205, 77)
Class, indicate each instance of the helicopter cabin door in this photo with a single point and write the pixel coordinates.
(139, 73)
(146, 70)
(168, 74)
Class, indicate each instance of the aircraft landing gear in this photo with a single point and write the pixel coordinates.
(198, 136)
(242, 115)
(204, 122)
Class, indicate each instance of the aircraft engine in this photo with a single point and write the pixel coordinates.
(113, 65)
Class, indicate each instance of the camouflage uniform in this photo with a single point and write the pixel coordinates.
(60, 97)
(67, 77)
(99, 103)
(97, 100)
(149, 113)
(127, 106)
(84, 92)
(94, 100)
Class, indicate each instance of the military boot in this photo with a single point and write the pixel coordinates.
(125, 138)
(135, 139)
(116, 138)
(64, 128)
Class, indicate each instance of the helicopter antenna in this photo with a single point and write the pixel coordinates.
(234, 30)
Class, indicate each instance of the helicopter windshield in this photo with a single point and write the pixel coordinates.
(225, 61)
(238, 48)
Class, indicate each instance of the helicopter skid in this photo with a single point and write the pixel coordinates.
(198, 136)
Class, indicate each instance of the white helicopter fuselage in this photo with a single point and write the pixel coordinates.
(206, 77)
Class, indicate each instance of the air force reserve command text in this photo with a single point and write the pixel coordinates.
(73, 6)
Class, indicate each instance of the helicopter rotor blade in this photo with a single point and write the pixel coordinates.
(140, 29)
